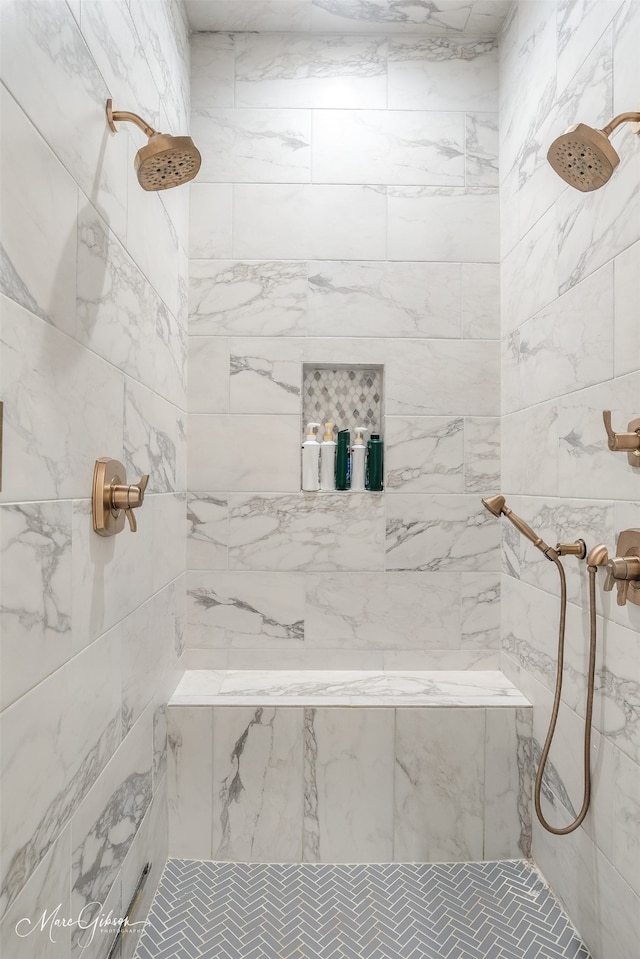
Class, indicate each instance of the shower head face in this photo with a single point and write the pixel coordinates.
(583, 157)
(495, 504)
(167, 161)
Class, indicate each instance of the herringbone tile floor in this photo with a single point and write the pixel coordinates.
(482, 910)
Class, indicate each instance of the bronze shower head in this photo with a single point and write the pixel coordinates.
(497, 506)
(584, 157)
(166, 160)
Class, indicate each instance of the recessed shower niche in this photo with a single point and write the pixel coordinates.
(345, 395)
(342, 406)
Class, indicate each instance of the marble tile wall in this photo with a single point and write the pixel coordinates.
(94, 349)
(346, 212)
(570, 348)
(332, 784)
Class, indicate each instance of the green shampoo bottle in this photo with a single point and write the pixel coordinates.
(342, 460)
(375, 463)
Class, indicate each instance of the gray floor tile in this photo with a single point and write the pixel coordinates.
(211, 910)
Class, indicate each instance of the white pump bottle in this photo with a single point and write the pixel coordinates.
(328, 459)
(311, 459)
(358, 458)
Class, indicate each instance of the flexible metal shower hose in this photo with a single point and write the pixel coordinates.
(556, 702)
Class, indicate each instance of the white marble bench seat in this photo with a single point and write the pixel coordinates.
(372, 688)
(348, 766)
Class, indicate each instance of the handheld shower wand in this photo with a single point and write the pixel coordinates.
(497, 506)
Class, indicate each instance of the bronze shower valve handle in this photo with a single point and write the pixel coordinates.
(129, 498)
(624, 442)
(623, 570)
(113, 498)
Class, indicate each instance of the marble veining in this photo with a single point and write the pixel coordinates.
(254, 145)
(355, 298)
(298, 71)
(348, 785)
(48, 884)
(116, 306)
(263, 764)
(417, 17)
(443, 224)
(95, 321)
(317, 783)
(170, 356)
(480, 611)
(207, 532)
(410, 147)
(231, 786)
(440, 48)
(35, 609)
(526, 764)
(424, 454)
(451, 16)
(311, 801)
(389, 611)
(150, 438)
(477, 687)
(263, 57)
(306, 531)
(621, 695)
(481, 453)
(553, 787)
(39, 208)
(15, 287)
(53, 412)
(48, 38)
(98, 858)
(231, 609)
(26, 858)
(436, 532)
(247, 298)
(449, 73)
(260, 383)
(440, 767)
(481, 144)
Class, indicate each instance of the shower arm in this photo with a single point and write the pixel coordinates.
(121, 116)
(620, 119)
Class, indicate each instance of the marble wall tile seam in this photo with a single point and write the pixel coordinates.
(164, 300)
(56, 331)
(83, 198)
(41, 136)
(156, 393)
(615, 691)
(595, 268)
(305, 338)
(552, 400)
(115, 304)
(80, 652)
